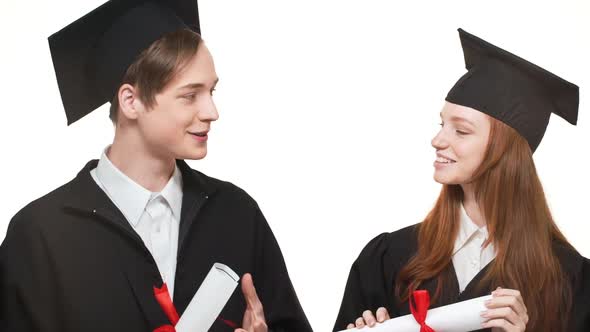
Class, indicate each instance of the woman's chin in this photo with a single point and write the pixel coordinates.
(444, 179)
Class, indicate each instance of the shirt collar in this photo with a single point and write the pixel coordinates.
(130, 197)
(467, 228)
(172, 192)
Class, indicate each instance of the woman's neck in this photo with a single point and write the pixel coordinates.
(471, 206)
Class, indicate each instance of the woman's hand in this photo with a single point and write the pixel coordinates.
(506, 311)
(368, 319)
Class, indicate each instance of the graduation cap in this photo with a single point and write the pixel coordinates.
(512, 90)
(90, 56)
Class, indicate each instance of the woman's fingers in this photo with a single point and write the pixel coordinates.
(369, 318)
(382, 315)
(504, 313)
(512, 301)
(359, 322)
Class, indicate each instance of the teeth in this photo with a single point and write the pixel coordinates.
(443, 160)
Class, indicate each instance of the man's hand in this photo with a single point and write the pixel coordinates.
(254, 315)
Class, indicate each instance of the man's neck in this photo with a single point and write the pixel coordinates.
(135, 161)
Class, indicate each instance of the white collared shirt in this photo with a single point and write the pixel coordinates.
(154, 216)
(468, 255)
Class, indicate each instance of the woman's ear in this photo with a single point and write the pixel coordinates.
(129, 103)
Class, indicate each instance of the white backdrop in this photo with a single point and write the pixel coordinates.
(327, 110)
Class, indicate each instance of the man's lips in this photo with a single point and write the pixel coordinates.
(200, 136)
(199, 133)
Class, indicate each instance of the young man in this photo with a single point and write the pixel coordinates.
(87, 256)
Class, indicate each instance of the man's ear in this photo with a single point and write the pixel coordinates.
(129, 103)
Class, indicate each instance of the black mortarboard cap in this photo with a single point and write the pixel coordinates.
(90, 56)
(512, 90)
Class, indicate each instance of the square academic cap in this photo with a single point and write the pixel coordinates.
(90, 56)
(512, 90)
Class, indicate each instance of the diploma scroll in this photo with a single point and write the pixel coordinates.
(457, 317)
(209, 300)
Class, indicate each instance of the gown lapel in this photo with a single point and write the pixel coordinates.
(87, 198)
(450, 292)
(142, 281)
(473, 288)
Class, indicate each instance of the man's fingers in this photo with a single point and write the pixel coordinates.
(350, 326)
(250, 295)
(259, 326)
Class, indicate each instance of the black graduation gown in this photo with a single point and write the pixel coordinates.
(371, 283)
(70, 261)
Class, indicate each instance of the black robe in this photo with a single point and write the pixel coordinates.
(371, 283)
(71, 262)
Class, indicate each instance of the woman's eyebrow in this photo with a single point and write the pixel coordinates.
(460, 119)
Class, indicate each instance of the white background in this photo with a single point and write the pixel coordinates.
(327, 111)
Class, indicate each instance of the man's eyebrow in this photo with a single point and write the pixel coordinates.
(196, 85)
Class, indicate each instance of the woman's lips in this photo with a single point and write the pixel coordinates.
(442, 161)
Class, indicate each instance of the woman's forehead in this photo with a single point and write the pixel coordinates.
(460, 112)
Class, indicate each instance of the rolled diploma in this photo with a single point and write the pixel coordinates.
(209, 300)
(457, 317)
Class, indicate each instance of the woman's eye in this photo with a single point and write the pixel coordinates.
(190, 97)
(461, 132)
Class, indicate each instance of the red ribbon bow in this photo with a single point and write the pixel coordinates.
(422, 300)
(163, 297)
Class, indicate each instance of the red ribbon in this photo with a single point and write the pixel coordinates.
(165, 301)
(165, 328)
(163, 297)
(422, 300)
(228, 323)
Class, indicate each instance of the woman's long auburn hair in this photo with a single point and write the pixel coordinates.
(520, 225)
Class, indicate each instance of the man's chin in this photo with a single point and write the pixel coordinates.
(197, 155)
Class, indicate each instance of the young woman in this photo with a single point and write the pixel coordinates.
(491, 229)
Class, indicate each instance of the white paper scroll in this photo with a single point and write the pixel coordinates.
(457, 317)
(209, 300)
